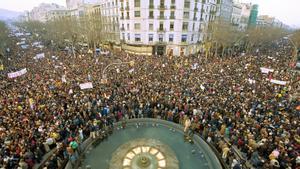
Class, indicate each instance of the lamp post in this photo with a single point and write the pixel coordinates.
(131, 63)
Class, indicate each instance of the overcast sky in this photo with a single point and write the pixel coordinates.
(285, 10)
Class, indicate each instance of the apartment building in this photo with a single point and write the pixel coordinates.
(164, 27)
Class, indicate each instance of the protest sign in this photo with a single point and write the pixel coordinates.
(39, 56)
(266, 70)
(17, 73)
(279, 82)
(194, 66)
(87, 85)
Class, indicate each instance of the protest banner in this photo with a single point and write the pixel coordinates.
(87, 85)
(39, 56)
(266, 70)
(279, 82)
(194, 66)
(17, 73)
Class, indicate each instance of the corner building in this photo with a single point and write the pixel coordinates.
(164, 27)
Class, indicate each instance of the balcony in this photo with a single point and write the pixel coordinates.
(151, 17)
(127, 17)
(161, 30)
(122, 29)
(195, 18)
(162, 17)
(127, 8)
(122, 17)
(122, 8)
(173, 7)
(162, 7)
(172, 17)
(196, 9)
(151, 6)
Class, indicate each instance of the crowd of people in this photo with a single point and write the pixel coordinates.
(225, 98)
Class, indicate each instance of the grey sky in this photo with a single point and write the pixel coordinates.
(285, 10)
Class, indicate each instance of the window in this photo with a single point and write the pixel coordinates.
(123, 36)
(137, 13)
(161, 26)
(160, 37)
(192, 38)
(151, 2)
(137, 37)
(128, 36)
(183, 38)
(151, 14)
(186, 15)
(185, 26)
(173, 2)
(171, 26)
(150, 37)
(171, 37)
(187, 4)
(193, 26)
(137, 26)
(137, 3)
(161, 14)
(172, 15)
(128, 26)
(162, 2)
(151, 26)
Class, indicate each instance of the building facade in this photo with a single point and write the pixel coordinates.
(236, 16)
(226, 7)
(109, 13)
(253, 16)
(40, 13)
(164, 27)
(73, 4)
(246, 10)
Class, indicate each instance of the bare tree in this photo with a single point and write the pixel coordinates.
(224, 35)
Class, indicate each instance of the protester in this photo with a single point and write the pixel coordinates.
(222, 98)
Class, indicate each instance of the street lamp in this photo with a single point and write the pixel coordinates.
(104, 78)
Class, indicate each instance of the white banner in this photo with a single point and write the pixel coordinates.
(39, 56)
(251, 81)
(279, 82)
(131, 70)
(17, 73)
(266, 70)
(63, 79)
(87, 85)
(195, 66)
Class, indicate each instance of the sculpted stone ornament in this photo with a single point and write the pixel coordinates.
(144, 154)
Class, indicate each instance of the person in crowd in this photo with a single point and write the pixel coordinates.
(225, 98)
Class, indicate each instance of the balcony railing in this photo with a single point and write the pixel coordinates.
(161, 30)
(196, 9)
(172, 17)
(162, 17)
(122, 17)
(151, 6)
(195, 18)
(151, 17)
(122, 29)
(122, 8)
(127, 17)
(127, 8)
(162, 7)
(173, 7)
